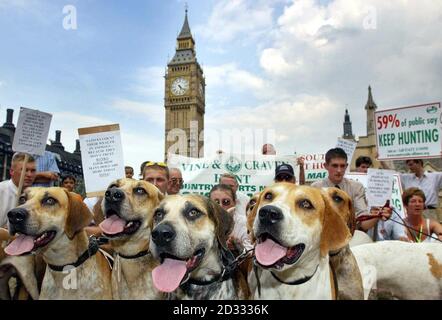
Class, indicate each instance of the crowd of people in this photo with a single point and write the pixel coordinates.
(420, 196)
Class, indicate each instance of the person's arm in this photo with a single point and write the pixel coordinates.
(49, 175)
(45, 176)
(300, 162)
(436, 227)
(385, 215)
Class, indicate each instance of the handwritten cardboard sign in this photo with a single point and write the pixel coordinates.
(379, 186)
(101, 156)
(32, 131)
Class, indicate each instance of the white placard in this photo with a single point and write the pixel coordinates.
(379, 186)
(396, 190)
(32, 131)
(349, 147)
(409, 132)
(101, 156)
(314, 166)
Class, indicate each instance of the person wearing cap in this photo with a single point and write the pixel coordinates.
(285, 172)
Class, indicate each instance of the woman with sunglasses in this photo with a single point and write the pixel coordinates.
(225, 197)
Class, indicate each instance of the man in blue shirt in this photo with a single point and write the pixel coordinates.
(47, 170)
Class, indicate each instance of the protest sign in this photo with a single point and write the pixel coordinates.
(32, 131)
(253, 172)
(349, 147)
(379, 186)
(314, 166)
(396, 191)
(409, 132)
(101, 156)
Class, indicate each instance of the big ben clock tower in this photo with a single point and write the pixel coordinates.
(184, 99)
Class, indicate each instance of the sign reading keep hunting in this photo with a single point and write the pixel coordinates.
(409, 132)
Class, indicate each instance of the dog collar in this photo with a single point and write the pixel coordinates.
(91, 250)
(296, 282)
(138, 255)
(230, 263)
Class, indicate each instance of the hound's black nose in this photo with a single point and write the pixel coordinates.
(163, 234)
(114, 195)
(269, 215)
(17, 216)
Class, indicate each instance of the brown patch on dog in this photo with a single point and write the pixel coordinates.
(335, 233)
(344, 207)
(435, 266)
(98, 212)
(78, 216)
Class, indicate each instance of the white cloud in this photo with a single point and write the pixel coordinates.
(231, 19)
(231, 76)
(325, 50)
(151, 112)
(147, 82)
(303, 124)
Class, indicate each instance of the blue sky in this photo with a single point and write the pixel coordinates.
(290, 67)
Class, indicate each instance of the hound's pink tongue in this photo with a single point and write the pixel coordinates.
(268, 252)
(167, 277)
(112, 225)
(21, 244)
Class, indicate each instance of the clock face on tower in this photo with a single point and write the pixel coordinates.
(180, 86)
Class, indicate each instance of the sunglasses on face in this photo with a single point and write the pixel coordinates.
(177, 181)
(224, 202)
(283, 177)
(152, 163)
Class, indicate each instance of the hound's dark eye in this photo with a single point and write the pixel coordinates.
(139, 191)
(305, 204)
(268, 196)
(22, 200)
(159, 215)
(193, 214)
(337, 198)
(49, 201)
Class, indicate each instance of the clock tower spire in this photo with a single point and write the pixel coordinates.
(184, 99)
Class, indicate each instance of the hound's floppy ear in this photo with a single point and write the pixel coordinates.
(223, 222)
(251, 219)
(160, 195)
(351, 223)
(78, 217)
(335, 233)
(97, 211)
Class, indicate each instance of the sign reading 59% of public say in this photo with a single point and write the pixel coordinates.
(409, 132)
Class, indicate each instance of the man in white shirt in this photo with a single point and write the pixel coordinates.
(429, 182)
(9, 188)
